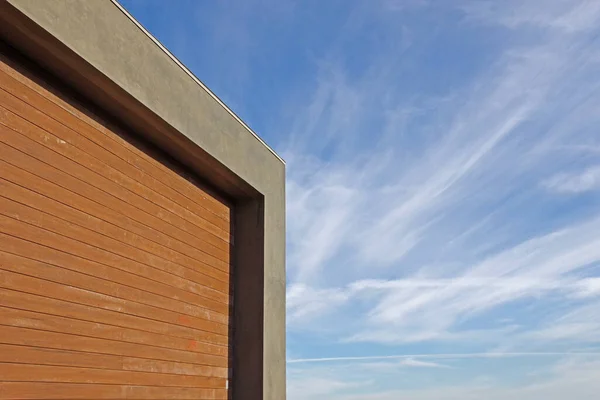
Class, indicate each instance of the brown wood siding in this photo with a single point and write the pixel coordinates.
(114, 268)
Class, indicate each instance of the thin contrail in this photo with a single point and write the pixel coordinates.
(442, 356)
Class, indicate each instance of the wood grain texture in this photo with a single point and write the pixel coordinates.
(91, 320)
(114, 268)
(31, 390)
(118, 181)
(43, 203)
(150, 171)
(23, 246)
(44, 356)
(32, 337)
(44, 220)
(102, 176)
(45, 373)
(28, 159)
(122, 298)
(137, 274)
(16, 175)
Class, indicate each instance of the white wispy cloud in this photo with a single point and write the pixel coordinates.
(567, 379)
(562, 376)
(377, 218)
(411, 362)
(415, 359)
(563, 15)
(426, 217)
(588, 287)
(305, 303)
(314, 387)
(586, 180)
(407, 313)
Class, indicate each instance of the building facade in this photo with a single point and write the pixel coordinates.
(142, 223)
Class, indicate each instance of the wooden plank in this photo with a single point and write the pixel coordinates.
(34, 355)
(18, 117)
(59, 226)
(56, 302)
(105, 293)
(91, 320)
(140, 166)
(71, 175)
(63, 341)
(62, 374)
(114, 269)
(45, 171)
(42, 356)
(95, 299)
(75, 200)
(136, 274)
(65, 391)
(28, 249)
(167, 367)
(43, 203)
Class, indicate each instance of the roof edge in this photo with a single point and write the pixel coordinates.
(195, 78)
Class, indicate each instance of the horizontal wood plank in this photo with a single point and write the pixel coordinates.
(114, 262)
(111, 180)
(57, 169)
(118, 326)
(106, 177)
(43, 203)
(22, 336)
(43, 356)
(61, 374)
(35, 355)
(141, 167)
(18, 176)
(44, 220)
(99, 292)
(137, 274)
(28, 249)
(65, 391)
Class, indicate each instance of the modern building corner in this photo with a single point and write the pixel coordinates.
(142, 226)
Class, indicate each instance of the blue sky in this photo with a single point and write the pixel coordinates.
(443, 185)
